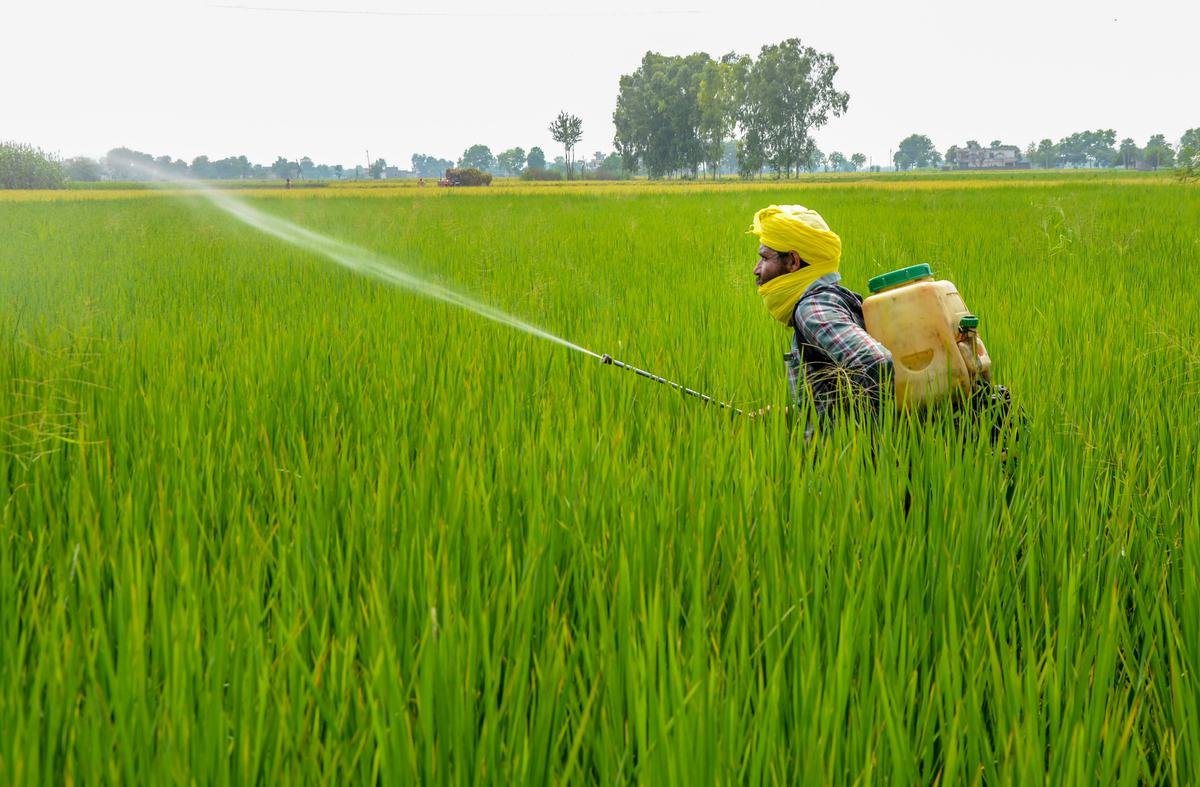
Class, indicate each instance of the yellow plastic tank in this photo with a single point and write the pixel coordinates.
(934, 340)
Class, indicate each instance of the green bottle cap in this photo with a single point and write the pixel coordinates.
(911, 273)
(968, 321)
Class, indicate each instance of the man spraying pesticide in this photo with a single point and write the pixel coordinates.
(913, 337)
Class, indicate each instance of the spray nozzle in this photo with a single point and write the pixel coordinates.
(606, 358)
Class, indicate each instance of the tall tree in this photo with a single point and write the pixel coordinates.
(430, 166)
(536, 158)
(567, 130)
(1129, 153)
(917, 150)
(658, 115)
(858, 159)
(1187, 161)
(81, 168)
(283, 169)
(1158, 152)
(1047, 155)
(718, 98)
(511, 161)
(478, 156)
(750, 156)
(789, 94)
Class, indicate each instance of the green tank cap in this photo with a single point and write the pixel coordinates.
(901, 276)
(968, 321)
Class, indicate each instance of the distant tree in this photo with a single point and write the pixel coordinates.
(430, 166)
(242, 168)
(511, 161)
(1187, 161)
(1129, 153)
(1046, 155)
(750, 156)
(995, 144)
(126, 164)
(658, 117)
(82, 169)
(307, 167)
(536, 158)
(338, 171)
(952, 155)
(1101, 147)
(567, 130)
(612, 163)
(167, 167)
(720, 93)
(283, 169)
(917, 150)
(1088, 148)
(839, 162)
(729, 161)
(201, 168)
(479, 157)
(376, 169)
(789, 93)
(858, 159)
(27, 167)
(1158, 152)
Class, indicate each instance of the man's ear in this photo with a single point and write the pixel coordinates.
(793, 263)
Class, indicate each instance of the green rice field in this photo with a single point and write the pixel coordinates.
(267, 521)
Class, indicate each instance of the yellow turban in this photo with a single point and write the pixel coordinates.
(795, 228)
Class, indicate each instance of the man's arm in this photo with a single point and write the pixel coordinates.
(825, 322)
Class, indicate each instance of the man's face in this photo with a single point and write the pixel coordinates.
(772, 263)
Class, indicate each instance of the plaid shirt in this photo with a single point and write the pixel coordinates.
(833, 360)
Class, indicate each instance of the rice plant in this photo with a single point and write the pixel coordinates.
(263, 520)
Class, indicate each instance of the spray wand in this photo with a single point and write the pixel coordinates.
(608, 359)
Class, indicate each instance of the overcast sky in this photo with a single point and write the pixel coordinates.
(331, 79)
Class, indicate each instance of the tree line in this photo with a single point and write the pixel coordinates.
(1098, 148)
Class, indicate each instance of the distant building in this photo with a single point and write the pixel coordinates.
(978, 157)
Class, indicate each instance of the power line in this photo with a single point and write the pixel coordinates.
(455, 14)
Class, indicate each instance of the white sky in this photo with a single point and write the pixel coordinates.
(187, 77)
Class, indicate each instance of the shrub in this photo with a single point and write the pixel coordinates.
(468, 176)
(540, 173)
(27, 167)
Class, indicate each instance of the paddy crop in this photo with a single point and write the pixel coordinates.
(265, 520)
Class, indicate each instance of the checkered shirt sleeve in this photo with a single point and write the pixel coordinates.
(825, 322)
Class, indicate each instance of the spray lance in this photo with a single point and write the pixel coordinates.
(609, 360)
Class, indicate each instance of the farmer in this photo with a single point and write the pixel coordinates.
(834, 363)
